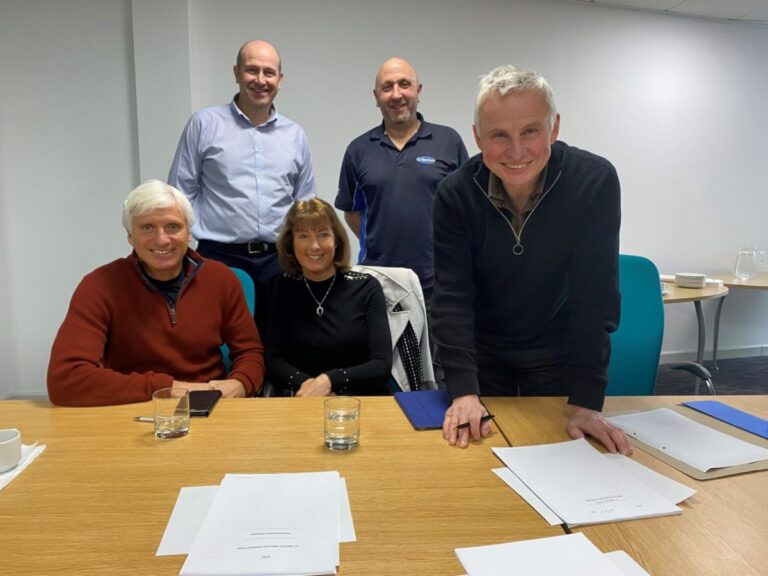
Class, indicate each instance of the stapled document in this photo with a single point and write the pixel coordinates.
(269, 524)
(581, 486)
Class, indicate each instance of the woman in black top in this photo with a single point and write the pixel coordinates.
(329, 332)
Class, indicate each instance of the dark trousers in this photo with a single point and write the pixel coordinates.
(262, 268)
(438, 369)
(523, 373)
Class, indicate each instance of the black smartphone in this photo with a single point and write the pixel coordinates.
(201, 402)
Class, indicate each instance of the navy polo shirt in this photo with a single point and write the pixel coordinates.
(395, 190)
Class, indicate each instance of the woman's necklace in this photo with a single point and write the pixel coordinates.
(319, 310)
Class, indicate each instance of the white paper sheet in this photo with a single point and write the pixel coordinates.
(700, 446)
(346, 525)
(269, 524)
(571, 554)
(193, 504)
(672, 490)
(28, 454)
(188, 514)
(522, 490)
(626, 563)
(580, 486)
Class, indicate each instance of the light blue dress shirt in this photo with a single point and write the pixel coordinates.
(241, 178)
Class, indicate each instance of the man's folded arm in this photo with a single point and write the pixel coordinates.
(76, 376)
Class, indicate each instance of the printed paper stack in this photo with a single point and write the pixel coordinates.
(571, 554)
(259, 524)
(572, 483)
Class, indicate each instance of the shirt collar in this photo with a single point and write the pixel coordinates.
(236, 110)
(424, 131)
(499, 197)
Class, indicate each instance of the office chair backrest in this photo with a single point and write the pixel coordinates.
(636, 345)
(250, 299)
(248, 288)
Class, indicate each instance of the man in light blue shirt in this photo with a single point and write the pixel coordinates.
(242, 165)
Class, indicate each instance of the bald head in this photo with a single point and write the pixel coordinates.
(258, 47)
(397, 92)
(396, 66)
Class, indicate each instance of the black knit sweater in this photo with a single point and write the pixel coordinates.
(562, 291)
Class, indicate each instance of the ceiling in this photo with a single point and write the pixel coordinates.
(755, 11)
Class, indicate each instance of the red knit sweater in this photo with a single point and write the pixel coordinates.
(120, 340)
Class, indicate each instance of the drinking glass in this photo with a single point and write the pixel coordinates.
(342, 423)
(171, 406)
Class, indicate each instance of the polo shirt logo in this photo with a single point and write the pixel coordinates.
(425, 160)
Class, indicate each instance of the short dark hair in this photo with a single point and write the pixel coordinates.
(310, 213)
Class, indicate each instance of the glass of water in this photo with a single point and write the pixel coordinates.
(171, 411)
(342, 423)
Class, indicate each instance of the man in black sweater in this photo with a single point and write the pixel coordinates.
(526, 239)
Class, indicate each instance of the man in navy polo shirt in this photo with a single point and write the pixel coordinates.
(390, 174)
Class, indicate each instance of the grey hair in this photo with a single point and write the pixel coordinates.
(151, 195)
(509, 78)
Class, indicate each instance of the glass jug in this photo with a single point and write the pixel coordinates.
(748, 260)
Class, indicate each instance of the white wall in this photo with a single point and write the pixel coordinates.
(68, 158)
(162, 74)
(95, 94)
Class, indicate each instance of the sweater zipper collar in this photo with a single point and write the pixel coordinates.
(184, 283)
(518, 248)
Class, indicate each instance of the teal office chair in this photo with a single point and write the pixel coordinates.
(250, 299)
(636, 345)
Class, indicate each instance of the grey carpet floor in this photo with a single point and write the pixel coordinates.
(735, 376)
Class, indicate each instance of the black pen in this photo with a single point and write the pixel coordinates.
(483, 419)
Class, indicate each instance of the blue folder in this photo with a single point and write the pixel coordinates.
(732, 416)
(425, 409)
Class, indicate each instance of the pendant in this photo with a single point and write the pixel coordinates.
(319, 311)
(517, 249)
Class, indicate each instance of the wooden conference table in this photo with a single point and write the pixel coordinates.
(723, 529)
(98, 499)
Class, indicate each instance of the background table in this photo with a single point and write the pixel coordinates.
(677, 295)
(759, 282)
(723, 529)
(98, 499)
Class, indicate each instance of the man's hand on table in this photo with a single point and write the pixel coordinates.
(585, 421)
(192, 385)
(465, 409)
(231, 388)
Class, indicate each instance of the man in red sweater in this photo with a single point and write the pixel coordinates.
(155, 319)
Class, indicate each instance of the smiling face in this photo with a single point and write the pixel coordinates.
(315, 247)
(515, 133)
(160, 239)
(258, 75)
(397, 93)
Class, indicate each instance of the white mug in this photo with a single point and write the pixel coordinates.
(10, 449)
